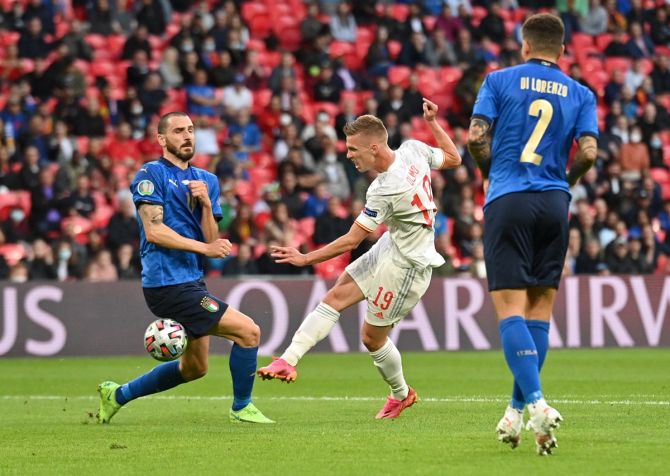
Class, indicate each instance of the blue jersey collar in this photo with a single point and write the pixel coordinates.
(167, 163)
(543, 63)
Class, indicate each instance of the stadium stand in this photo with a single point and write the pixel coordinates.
(72, 71)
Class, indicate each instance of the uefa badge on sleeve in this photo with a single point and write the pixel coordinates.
(145, 187)
(209, 304)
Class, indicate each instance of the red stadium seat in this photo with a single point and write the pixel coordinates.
(14, 199)
(581, 40)
(394, 48)
(290, 38)
(260, 26)
(591, 64)
(250, 10)
(400, 11)
(603, 40)
(332, 268)
(399, 75)
(613, 64)
(13, 253)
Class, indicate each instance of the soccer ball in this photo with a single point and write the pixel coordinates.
(165, 340)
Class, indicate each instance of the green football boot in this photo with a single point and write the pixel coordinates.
(249, 414)
(108, 404)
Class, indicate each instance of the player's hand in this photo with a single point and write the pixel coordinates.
(285, 254)
(218, 248)
(429, 110)
(198, 189)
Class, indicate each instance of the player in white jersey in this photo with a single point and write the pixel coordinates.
(394, 274)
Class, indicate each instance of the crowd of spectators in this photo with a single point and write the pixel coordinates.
(269, 85)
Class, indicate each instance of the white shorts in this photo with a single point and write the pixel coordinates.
(391, 290)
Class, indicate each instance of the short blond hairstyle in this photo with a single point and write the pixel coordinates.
(368, 125)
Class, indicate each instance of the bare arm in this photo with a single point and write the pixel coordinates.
(344, 243)
(584, 159)
(162, 235)
(479, 145)
(451, 156)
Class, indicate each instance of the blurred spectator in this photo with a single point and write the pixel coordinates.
(596, 19)
(137, 41)
(205, 136)
(89, 122)
(493, 25)
(102, 18)
(659, 29)
(201, 96)
(619, 262)
(343, 24)
(101, 269)
(32, 44)
(243, 263)
(122, 148)
(311, 26)
(152, 95)
(639, 44)
(42, 266)
(237, 96)
(75, 42)
(152, 15)
(576, 74)
(448, 23)
(125, 266)
(81, 202)
(660, 75)
(615, 19)
(634, 156)
(589, 261)
(138, 70)
(396, 104)
(122, 228)
(414, 52)
(243, 228)
(281, 228)
(439, 51)
(329, 86)
(290, 195)
(169, 69)
(378, 60)
(254, 71)
(330, 225)
(251, 134)
(223, 74)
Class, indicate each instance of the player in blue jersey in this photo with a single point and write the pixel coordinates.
(178, 213)
(524, 122)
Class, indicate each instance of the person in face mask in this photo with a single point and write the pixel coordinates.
(332, 172)
(17, 227)
(634, 156)
(656, 152)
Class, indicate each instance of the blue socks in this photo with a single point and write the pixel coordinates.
(160, 378)
(242, 363)
(521, 356)
(539, 330)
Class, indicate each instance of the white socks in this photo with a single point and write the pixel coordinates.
(389, 363)
(315, 327)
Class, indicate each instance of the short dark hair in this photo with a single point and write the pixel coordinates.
(544, 33)
(165, 119)
(366, 124)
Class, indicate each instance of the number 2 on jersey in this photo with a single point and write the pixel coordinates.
(416, 201)
(543, 109)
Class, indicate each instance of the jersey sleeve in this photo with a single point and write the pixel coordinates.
(587, 121)
(377, 209)
(147, 187)
(486, 104)
(214, 193)
(433, 155)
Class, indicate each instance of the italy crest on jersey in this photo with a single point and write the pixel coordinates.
(209, 304)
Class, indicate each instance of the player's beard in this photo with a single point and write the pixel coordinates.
(179, 152)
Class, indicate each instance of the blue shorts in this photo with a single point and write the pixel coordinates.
(525, 239)
(190, 304)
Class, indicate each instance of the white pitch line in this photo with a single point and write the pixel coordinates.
(454, 399)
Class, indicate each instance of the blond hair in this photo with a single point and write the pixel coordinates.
(368, 125)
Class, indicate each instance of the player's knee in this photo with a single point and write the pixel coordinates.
(194, 371)
(372, 343)
(251, 337)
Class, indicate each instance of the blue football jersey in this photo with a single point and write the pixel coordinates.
(162, 183)
(535, 112)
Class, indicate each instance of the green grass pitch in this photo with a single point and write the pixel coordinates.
(616, 405)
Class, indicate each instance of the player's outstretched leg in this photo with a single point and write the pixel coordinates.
(313, 329)
(544, 420)
(114, 396)
(279, 369)
(108, 404)
(242, 365)
(509, 427)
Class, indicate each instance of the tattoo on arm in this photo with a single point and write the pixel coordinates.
(152, 214)
(479, 145)
(584, 159)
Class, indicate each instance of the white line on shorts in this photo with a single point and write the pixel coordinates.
(603, 400)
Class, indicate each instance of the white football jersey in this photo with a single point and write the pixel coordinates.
(402, 198)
